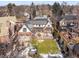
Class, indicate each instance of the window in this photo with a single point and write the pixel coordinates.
(35, 25)
(24, 29)
(48, 25)
(41, 25)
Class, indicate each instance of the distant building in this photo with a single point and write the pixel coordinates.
(69, 21)
(6, 28)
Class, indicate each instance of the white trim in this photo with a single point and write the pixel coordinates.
(24, 26)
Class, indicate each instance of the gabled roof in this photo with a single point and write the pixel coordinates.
(70, 17)
(29, 26)
(38, 21)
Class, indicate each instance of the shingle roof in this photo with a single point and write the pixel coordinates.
(70, 17)
(37, 21)
(30, 26)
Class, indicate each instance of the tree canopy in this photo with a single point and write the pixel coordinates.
(56, 9)
(33, 10)
(10, 8)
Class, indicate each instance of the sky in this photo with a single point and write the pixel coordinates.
(3, 3)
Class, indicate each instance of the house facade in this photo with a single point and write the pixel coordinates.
(39, 24)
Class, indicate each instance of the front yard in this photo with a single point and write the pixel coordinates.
(45, 46)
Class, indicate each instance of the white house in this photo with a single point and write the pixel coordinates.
(25, 30)
(39, 24)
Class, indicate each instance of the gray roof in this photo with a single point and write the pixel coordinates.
(37, 21)
(70, 17)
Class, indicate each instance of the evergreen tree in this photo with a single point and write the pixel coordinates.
(49, 6)
(33, 10)
(10, 7)
(57, 10)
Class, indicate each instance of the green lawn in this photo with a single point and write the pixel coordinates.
(48, 45)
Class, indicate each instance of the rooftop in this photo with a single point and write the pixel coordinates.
(36, 21)
(70, 17)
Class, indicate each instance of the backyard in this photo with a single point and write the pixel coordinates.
(45, 46)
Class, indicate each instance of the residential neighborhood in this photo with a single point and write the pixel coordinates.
(39, 30)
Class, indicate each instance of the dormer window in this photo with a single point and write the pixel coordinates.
(39, 25)
(24, 29)
(48, 25)
(72, 24)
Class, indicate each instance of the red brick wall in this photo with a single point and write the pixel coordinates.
(25, 33)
